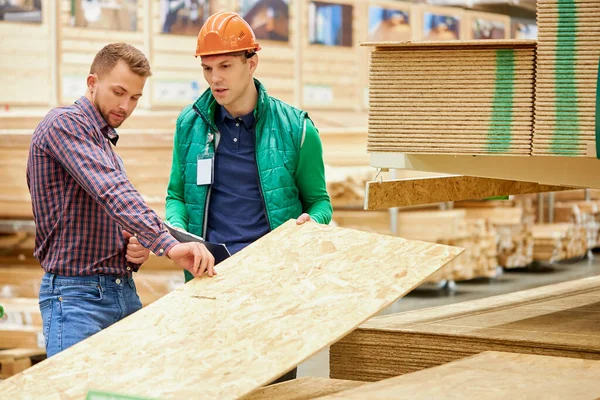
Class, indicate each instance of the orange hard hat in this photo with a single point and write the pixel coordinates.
(225, 32)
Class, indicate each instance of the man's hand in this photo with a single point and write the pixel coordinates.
(136, 253)
(194, 257)
(303, 218)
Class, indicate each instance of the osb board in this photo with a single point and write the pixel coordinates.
(490, 375)
(410, 192)
(272, 305)
(304, 388)
(25, 61)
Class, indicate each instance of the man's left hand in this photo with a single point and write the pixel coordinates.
(136, 253)
(303, 218)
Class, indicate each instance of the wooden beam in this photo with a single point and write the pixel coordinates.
(302, 389)
(488, 375)
(271, 306)
(412, 192)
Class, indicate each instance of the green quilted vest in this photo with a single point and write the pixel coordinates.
(279, 128)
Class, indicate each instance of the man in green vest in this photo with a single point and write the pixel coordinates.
(243, 162)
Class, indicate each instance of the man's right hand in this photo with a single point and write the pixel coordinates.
(194, 257)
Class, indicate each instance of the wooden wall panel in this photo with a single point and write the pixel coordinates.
(26, 61)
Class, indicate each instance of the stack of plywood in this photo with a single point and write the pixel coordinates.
(566, 78)
(459, 97)
(451, 227)
(512, 224)
(490, 375)
(559, 241)
(557, 320)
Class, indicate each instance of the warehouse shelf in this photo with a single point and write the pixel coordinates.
(565, 171)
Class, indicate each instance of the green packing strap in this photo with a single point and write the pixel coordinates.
(564, 72)
(1, 311)
(597, 117)
(98, 395)
(500, 130)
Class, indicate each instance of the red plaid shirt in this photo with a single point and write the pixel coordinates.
(82, 200)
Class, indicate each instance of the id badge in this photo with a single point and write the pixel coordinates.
(206, 170)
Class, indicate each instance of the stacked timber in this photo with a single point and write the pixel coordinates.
(302, 389)
(537, 321)
(581, 213)
(566, 77)
(487, 92)
(512, 223)
(451, 227)
(490, 375)
(346, 185)
(558, 241)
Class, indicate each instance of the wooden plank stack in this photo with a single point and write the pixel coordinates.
(559, 241)
(451, 227)
(487, 376)
(486, 89)
(304, 388)
(556, 320)
(581, 213)
(567, 74)
(512, 223)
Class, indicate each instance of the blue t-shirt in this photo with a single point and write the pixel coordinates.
(236, 212)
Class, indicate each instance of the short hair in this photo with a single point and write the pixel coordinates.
(244, 55)
(111, 54)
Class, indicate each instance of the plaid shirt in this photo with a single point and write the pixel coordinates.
(82, 200)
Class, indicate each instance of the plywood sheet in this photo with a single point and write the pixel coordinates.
(304, 388)
(490, 375)
(274, 304)
(411, 192)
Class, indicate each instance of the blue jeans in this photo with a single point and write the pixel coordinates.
(75, 308)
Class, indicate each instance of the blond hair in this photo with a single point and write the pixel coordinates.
(111, 54)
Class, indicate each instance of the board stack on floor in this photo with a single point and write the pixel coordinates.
(558, 241)
(567, 75)
(487, 376)
(512, 222)
(556, 320)
(463, 97)
(451, 227)
(581, 213)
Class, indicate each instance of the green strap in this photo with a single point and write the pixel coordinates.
(99, 395)
(564, 73)
(597, 117)
(500, 130)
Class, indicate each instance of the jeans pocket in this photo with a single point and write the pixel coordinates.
(75, 292)
(46, 311)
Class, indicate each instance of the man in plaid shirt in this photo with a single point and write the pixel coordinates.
(92, 226)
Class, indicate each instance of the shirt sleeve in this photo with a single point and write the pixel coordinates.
(95, 171)
(310, 177)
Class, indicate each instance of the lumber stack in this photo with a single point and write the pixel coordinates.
(304, 388)
(581, 213)
(346, 185)
(451, 227)
(486, 89)
(558, 241)
(566, 78)
(487, 376)
(537, 321)
(512, 224)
